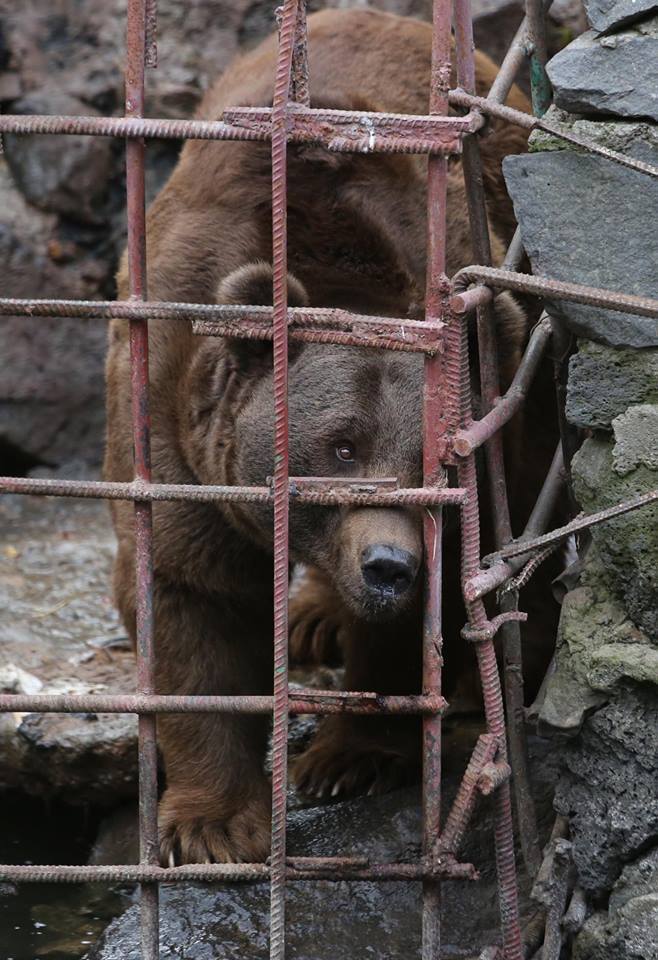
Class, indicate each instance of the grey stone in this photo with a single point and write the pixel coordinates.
(326, 920)
(628, 930)
(60, 634)
(628, 544)
(638, 138)
(615, 74)
(597, 648)
(586, 220)
(603, 382)
(60, 174)
(605, 15)
(636, 436)
(608, 787)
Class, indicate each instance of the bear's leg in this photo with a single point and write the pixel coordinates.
(357, 754)
(316, 619)
(217, 803)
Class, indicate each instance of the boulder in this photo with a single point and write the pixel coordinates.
(586, 220)
(603, 382)
(60, 174)
(608, 787)
(606, 15)
(325, 920)
(606, 473)
(628, 930)
(61, 634)
(615, 74)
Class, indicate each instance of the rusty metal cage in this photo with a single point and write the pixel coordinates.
(451, 437)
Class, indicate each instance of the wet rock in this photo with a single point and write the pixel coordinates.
(340, 919)
(59, 624)
(628, 930)
(590, 241)
(605, 15)
(627, 544)
(603, 382)
(60, 174)
(608, 788)
(615, 74)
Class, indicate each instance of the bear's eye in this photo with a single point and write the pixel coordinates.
(346, 452)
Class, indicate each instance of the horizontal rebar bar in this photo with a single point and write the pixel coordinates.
(309, 701)
(337, 130)
(550, 289)
(297, 868)
(459, 98)
(145, 493)
(247, 322)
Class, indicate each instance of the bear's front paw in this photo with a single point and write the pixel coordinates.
(342, 761)
(314, 624)
(196, 828)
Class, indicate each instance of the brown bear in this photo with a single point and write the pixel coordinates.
(357, 227)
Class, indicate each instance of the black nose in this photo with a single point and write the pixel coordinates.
(388, 570)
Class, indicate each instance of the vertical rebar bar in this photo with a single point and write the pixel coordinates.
(436, 422)
(540, 85)
(490, 390)
(139, 361)
(281, 97)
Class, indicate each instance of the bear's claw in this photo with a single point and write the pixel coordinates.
(339, 766)
(186, 836)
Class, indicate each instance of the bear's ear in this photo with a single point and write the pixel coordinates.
(251, 285)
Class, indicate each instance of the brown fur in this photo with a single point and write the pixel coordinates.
(357, 239)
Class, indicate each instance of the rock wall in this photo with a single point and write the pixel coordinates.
(591, 221)
(63, 197)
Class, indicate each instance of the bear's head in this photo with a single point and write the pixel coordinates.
(353, 412)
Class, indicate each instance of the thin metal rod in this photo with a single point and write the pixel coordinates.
(436, 424)
(505, 407)
(582, 522)
(305, 701)
(359, 496)
(486, 580)
(341, 131)
(139, 367)
(540, 85)
(550, 289)
(297, 868)
(282, 85)
(460, 98)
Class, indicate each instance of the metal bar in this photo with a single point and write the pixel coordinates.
(436, 424)
(505, 407)
(464, 803)
(497, 412)
(509, 68)
(460, 98)
(248, 322)
(139, 360)
(321, 702)
(297, 868)
(279, 128)
(341, 131)
(550, 289)
(540, 85)
(486, 580)
(153, 492)
(520, 549)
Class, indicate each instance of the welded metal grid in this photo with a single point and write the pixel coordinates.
(450, 437)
